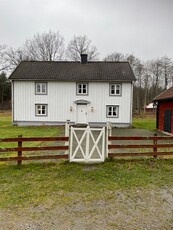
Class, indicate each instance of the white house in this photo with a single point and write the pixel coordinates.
(50, 93)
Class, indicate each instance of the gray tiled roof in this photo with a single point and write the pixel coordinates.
(73, 71)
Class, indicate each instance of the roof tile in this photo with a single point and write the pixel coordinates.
(165, 95)
(73, 71)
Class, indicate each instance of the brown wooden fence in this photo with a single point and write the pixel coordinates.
(19, 149)
(114, 149)
(140, 149)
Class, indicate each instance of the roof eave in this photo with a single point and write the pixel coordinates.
(163, 99)
(76, 80)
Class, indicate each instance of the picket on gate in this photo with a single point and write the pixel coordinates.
(87, 144)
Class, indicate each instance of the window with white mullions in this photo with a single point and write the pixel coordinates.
(112, 111)
(115, 89)
(41, 110)
(82, 89)
(40, 88)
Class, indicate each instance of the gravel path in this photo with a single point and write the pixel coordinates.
(131, 209)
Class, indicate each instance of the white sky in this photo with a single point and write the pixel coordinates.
(141, 27)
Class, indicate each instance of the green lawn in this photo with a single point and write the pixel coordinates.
(36, 183)
(144, 123)
(7, 130)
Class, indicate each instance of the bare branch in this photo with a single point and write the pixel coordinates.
(81, 45)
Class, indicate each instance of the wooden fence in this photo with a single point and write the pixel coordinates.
(157, 149)
(19, 149)
(114, 149)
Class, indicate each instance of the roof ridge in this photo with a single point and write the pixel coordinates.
(37, 61)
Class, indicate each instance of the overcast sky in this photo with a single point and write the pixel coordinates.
(141, 27)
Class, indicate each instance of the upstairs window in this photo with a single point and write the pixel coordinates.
(41, 110)
(82, 89)
(41, 88)
(112, 111)
(115, 89)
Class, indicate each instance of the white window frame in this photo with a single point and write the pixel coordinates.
(41, 110)
(114, 87)
(112, 111)
(40, 88)
(82, 87)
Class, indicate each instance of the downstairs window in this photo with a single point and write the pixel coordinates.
(112, 111)
(41, 110)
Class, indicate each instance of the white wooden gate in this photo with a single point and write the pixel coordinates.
(87, 144)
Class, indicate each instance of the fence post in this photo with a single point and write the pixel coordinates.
(19, 162)
(155, 143)
(67, 131)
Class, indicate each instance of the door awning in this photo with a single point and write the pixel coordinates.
(82, 102)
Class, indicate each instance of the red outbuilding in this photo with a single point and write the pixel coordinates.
(164, 114)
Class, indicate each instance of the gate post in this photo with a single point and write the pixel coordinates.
(87, 142)
(108, 133)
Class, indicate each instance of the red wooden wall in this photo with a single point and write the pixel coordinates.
(162, 106)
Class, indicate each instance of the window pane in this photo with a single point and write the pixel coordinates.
(84, 88)
(38, 88)
(112, 89)
(117, 89)
(109, 111)
(44, 111)
(114, 111)
(43, 88)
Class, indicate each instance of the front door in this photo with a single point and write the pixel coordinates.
(82, 114)
(167, 120)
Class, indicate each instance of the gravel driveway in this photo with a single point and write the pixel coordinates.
(133, 209)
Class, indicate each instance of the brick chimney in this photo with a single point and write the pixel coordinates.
(84, 58)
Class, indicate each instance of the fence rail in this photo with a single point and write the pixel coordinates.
(20, 149)
(154, 146)
(150, 147)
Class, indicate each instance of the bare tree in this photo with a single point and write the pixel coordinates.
(115, 57)
(5, 90)
(15, 56)
(3, 61)
(166, 70)
(42, 47)
(45, 47)
(154, 69)
(81, 45)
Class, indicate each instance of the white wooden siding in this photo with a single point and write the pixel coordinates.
(60, 98)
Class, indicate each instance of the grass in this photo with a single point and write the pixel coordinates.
(7, 130)
(62, 182)
(38, 183)
(148, 123)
